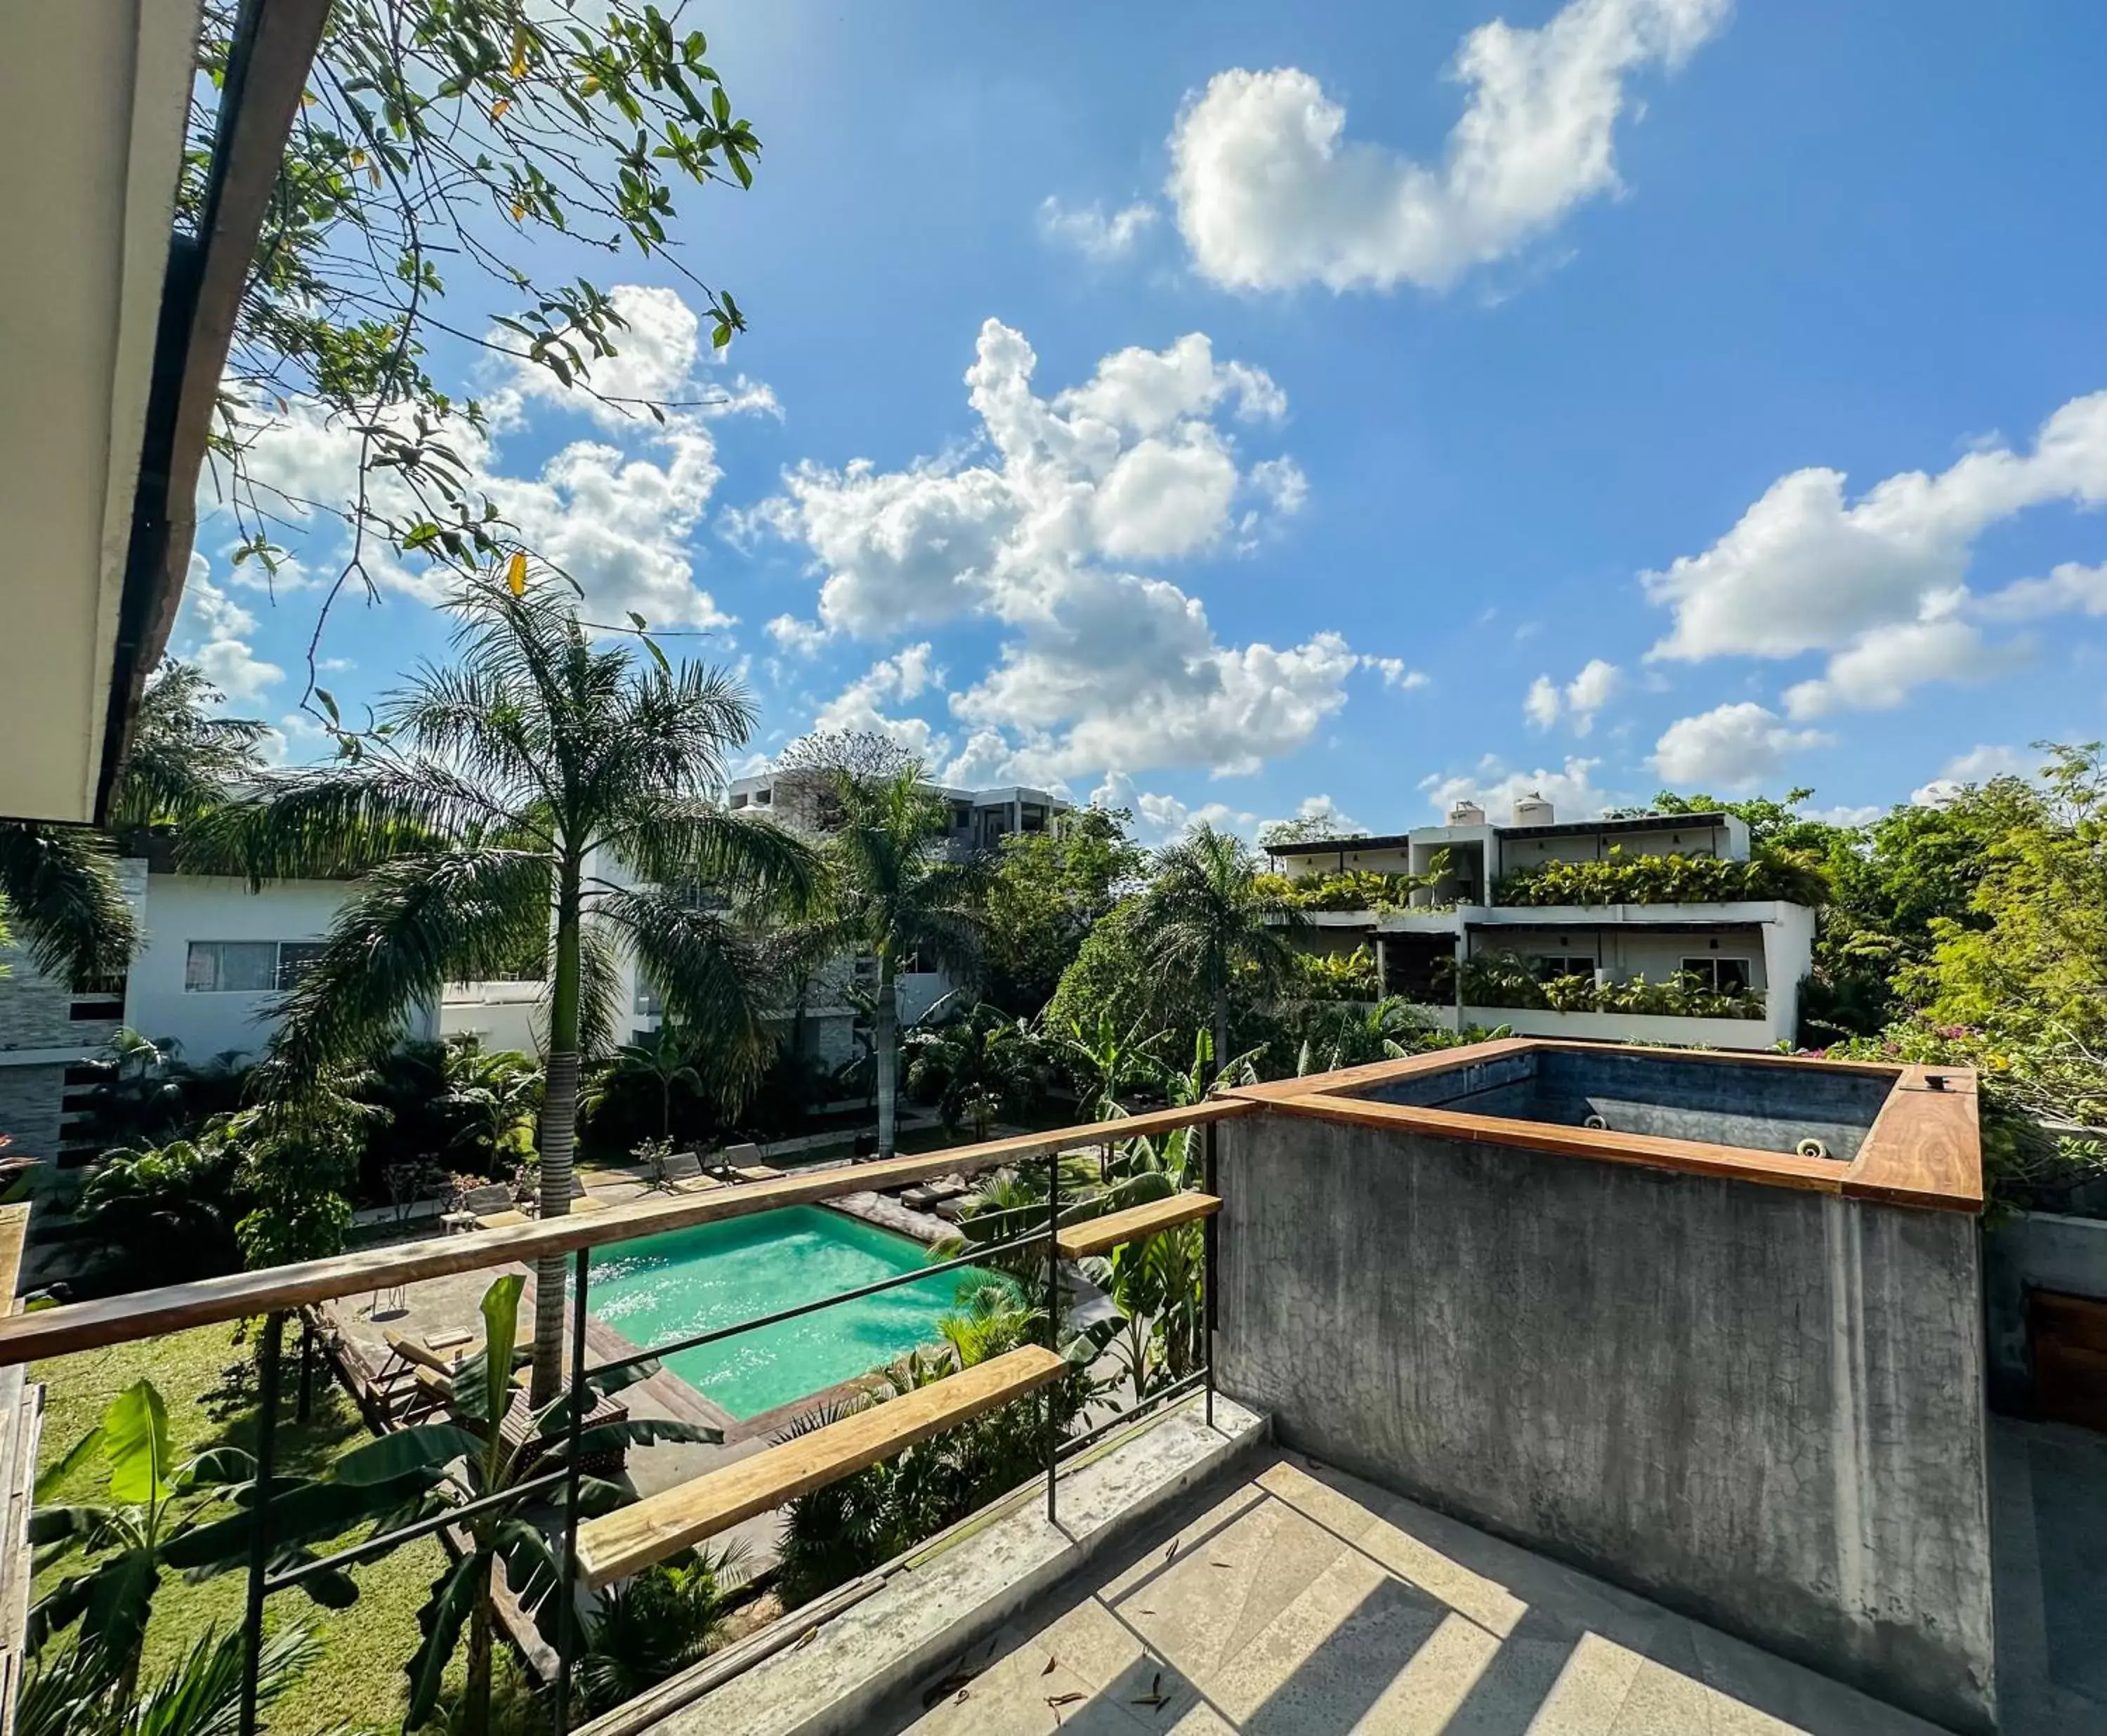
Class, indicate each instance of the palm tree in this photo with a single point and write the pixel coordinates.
(667, 1060)
(184, 757)
(893, 893)
(488, 810)
(1204, 913)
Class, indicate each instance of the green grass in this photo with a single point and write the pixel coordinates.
(207, 1381)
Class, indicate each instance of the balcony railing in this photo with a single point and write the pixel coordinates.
(598, 1550)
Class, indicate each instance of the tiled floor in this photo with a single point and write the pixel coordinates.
(1306, 1601)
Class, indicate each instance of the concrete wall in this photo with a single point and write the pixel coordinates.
(2030, 1251)
(500, 1016)
(1763, 1407)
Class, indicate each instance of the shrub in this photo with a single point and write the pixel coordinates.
(1503, 979)
(167, 1214)
(1790, 876)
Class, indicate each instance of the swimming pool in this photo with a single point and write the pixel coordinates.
(664, 1287)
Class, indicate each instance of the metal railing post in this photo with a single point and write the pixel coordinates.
(259, 1532)
(306, 1401)
(1210, 1183)
(1052, 1320)
(568, 1628)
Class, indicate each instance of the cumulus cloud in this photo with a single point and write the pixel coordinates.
(1321, 811)
(617, 513)
(1979, 764)
(217, 632)
(2069, 590)
(1577, 702)
(1100, 667)
(1161, 818)
(1087, 230)
(1731, 746)
(1397, 672)
(802, 638)
(904, 677)
(1805, 570)
(1570, 789)
(1882, 668)
(1271, 194)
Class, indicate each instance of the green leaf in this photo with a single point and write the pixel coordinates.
(54, 1476)
(120, 1597)
(328, 703)
(136, 1429)
(455, 1593)
(637, 621)
(428, 1447)
(500, 1332)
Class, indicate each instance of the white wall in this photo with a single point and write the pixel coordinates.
(505, 1015)
(183, 908)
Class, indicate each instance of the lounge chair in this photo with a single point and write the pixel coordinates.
(489, 1207)
(682, 1166)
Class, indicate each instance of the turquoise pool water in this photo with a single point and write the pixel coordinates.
(667, 1287)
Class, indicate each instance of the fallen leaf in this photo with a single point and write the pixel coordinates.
(1063, 1699)
(1171, 1554)
(958, 1678)
(1050, 1662)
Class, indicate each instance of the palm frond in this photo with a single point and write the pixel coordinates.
(707, 970)
(415, 925)
(62, 897)
(336, 821)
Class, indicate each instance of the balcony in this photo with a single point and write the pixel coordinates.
(1546, 1387)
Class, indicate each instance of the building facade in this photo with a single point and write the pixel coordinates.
(1466, 940)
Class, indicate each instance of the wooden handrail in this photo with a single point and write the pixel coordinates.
(115, 1320)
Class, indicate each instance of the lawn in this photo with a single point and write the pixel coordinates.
(207, 1380)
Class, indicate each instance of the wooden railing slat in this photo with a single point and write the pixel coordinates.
(112, 1320)
(631, 1538)
(1096, 1236)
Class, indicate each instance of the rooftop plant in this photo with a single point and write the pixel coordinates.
(1617, 878)
(1504, 979)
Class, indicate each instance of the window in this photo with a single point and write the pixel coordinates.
(295, 959)
(1725, 976)
(1552, 964)
(248, 967)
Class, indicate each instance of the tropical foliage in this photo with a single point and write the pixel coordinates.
(1618, 878)
(1351, 889)
(1505, 979)
(1044, 896)
(491, 805)
(658, 1622)
(893, 893)
(976, 1069)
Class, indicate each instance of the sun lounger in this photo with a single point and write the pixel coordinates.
(682, 1166)
(758, 1173)
(697, 1184)
(476, 1205)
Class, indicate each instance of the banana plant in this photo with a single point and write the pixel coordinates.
(153, 1504)
(74, 1693)
(420, 1472)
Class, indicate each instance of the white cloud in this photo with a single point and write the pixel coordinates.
(1846, 815)
(1571, 789)
(1099, 665)
(1979, 764)
(904, 677)
(802, 638)
(1090, 232)
(1731, 746)
(1161, 819)
(1325, 812)
(2069, 590)
(216, 631)
(619, 513)
(1577, 702)
(1882, 668)
(1805, 571)
(1282, 483)
(1396, 673)
(1269, 193)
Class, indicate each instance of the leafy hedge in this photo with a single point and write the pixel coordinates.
(1353, 889)
(1507, 980)
(1790, 876)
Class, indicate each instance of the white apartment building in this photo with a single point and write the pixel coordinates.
(1760, 947)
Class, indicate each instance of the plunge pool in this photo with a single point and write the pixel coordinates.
(661, 1288)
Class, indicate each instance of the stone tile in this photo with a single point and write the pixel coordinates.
(1590, 1690)
(1511, 1692)
(1219, 1517)
(1663, 1702)
(1328, 1658)
(1210, 1600)
(1422, 1699)
(1797, 1699)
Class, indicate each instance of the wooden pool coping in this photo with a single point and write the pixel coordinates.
(1923, 1150)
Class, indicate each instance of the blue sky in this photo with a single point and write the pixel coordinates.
(1369, 404)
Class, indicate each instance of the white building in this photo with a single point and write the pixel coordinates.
(1760, 947)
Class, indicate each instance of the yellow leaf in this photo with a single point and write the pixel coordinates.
(518, 213)
(497, 109)
(519, 65)
(358, 159)
(516, 575)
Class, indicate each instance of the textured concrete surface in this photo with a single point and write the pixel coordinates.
(2051, 1489)
(1302, 1600)
(1762, 1407)
(934, 1606)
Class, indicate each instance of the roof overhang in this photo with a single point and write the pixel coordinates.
(120, 328)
